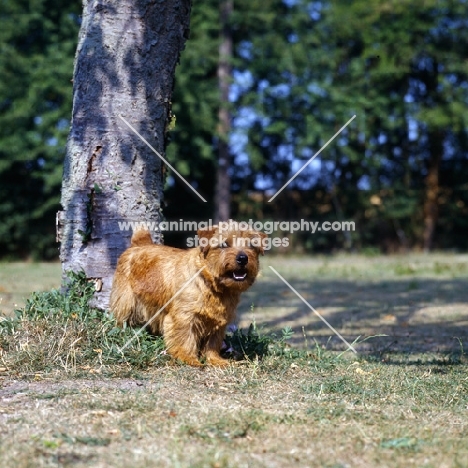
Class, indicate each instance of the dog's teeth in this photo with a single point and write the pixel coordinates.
(239, 277)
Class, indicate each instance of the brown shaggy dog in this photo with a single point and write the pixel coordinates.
(188, 296)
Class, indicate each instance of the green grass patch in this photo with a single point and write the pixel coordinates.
(58, 331)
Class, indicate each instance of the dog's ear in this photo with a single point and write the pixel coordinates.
(256, 238)
(206, 235)
(141, 237)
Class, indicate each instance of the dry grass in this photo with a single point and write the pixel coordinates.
(279, 413)
(68, 398)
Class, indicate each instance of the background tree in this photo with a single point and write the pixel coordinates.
(410, 57)
(300, 70)
(125, 64)
(223, 183)
(195, 105)
(37, 41)
(401, 68)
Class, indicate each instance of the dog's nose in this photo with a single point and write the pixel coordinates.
(242, 259)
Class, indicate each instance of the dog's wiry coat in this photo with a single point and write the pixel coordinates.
(193, 323)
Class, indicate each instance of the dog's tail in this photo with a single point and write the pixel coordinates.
(141, 237)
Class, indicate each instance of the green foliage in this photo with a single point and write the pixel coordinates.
(195, 105)
(38, 41)
(252, 344)
(400, 68)
(246, 345)
(301, 70)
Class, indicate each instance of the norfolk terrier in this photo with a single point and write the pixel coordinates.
(187, 296)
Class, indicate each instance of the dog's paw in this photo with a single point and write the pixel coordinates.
(186, 359)
(217, 361)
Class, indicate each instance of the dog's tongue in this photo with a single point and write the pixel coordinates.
(239, 276)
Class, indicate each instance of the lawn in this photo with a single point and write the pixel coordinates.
(18, 280)
(401, 400)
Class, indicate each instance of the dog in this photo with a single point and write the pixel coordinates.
(187, 296)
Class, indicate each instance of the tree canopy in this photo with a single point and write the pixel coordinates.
(301, 70)
(38, 43)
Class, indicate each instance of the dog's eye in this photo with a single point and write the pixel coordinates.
(224, 245)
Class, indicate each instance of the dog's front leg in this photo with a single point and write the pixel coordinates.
(181, 343)
(213, 347)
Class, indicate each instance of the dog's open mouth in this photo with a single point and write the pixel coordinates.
(239, 275)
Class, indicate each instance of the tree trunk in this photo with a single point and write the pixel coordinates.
(124, 66)
(223, 186)
(431, 199)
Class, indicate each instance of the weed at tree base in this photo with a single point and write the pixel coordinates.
(58, 330)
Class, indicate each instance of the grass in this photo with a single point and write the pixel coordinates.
(279, 412)
(418, 301)
(69, 397)
(19, 280)
(58, 330)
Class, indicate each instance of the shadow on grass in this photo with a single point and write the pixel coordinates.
(416, 314)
